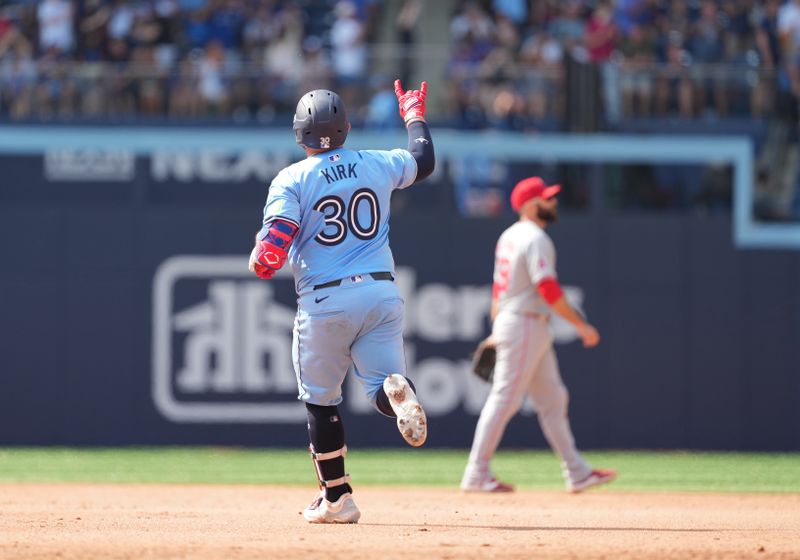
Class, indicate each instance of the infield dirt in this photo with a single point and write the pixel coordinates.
(98, 521)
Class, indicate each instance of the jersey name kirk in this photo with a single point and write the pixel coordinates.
(339, 172)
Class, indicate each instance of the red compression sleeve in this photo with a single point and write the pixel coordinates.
(550, 290)
(280, 233)
(274, 243)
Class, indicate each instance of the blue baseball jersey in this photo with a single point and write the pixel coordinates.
(340, 201)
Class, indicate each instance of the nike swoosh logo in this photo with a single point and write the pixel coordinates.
(319, 299)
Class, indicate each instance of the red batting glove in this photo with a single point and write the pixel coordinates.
(266, 259)
(412, 102)
(262, 271)
(270, 253)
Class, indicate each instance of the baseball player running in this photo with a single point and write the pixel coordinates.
(525, 283)
(328, 215)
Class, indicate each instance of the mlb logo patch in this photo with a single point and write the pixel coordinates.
(334, 157)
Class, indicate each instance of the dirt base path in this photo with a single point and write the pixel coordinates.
(91, 522)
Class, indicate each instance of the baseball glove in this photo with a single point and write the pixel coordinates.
(483, 360)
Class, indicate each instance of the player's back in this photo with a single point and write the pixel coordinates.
(340, 199)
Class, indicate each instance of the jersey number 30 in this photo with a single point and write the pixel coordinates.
(341, 217)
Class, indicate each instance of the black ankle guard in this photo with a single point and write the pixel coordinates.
(328, 450)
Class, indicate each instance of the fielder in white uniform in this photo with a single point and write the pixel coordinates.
(525, 288)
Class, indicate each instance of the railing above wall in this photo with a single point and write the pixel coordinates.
(488, 93)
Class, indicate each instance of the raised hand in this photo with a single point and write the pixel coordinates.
(411, 102)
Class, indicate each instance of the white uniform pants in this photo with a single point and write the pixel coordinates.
(526, 366)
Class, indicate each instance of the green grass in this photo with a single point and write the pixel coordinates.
(639, 471)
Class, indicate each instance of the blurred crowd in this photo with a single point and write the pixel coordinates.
(533, 66)
(180, 58)
(507, 65)
(686, 58)
(522, 65)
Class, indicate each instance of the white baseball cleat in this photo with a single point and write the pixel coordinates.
(595, 478)
(411, 420)
(343, 510)
(491, 485)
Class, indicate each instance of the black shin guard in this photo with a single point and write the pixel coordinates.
(382, 401)
(326, 433)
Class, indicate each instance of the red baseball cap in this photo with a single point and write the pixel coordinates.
(532, 187)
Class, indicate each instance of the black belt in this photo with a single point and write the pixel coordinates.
(375, 276)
